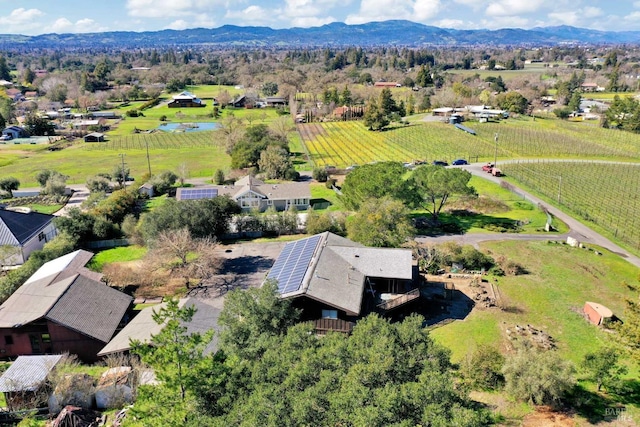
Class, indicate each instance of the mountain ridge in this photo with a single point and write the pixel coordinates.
(392, 32)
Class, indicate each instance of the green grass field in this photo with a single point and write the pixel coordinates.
(121, 254)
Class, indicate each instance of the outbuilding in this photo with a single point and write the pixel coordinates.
(94, 137)
(598, 314)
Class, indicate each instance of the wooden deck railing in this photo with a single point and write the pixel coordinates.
(400, 300)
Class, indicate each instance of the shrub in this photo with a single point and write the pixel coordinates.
(482, 368)
(218, 177)
(320, 175)
(292, 175)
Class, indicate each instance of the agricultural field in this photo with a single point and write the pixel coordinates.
(605, 194)
(342, 144)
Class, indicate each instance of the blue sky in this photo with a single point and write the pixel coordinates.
(32, 17)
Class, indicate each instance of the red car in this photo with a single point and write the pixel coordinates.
(487, 168)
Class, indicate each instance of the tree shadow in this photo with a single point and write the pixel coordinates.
(235, 273)
(461, 221)
(600, 407)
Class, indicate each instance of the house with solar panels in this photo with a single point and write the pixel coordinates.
(252, 193)
(62, 307)
(185, 100)
(336, 281)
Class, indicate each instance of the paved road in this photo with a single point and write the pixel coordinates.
(578, 230)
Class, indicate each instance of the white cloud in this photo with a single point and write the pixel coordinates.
(382, 10)
(63, 25)
(513, 7)
(179, 24)
(21, 20)
(592, 12)
(451, 23)
(636, 4)
(505, 22)
(565, 18)
(309, 13)
(170, 8)
(633, 17)
(251, 15)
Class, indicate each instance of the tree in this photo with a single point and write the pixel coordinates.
(163, 182)
(538, 377)
(320, 174)
(98, 184)
(380, 222)
(250, 317)
(218, 177)
(28, 76)
(376, 180)
(270, 88)
(203, 218)
(9, 184)
(120, 173)
(5, 72)
(184, 256)
(39, 125)
(513, 102)
(602, 367)
(629, 331)
(77, 224)
(58, 93)
(482, 368)
(435, 184)
(574, 102)
(45, 175)
(174, 355)
(274, 162)
(281, 127)
(374, 117)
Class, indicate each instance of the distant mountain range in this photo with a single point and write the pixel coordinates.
(398, 33)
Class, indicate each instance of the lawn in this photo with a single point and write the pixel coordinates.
(550, 297)
(121, 254)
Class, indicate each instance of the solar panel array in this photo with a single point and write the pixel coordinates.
(292, 264)
(198, 193)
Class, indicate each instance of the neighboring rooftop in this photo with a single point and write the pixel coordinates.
(142, 328)
(20, 226)
(27, 373)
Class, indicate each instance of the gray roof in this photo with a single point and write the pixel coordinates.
(337, 273)
(91, 308)
(143, 327)
(27, 373)
(65, 292)
(19, 227)
(286, 191)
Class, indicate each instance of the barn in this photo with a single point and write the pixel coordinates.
(598, 314)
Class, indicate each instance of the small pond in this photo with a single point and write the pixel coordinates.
(188, 127)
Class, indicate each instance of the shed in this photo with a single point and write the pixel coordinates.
(598, 314)
(94, 137)
(147, 189)
(24, 378)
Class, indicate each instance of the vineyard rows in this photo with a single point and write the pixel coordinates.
(157, 140)
(603, 193)
(345, 143)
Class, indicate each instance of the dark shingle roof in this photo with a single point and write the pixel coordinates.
(91, 308)
(24, 225)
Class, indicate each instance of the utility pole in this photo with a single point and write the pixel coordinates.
(124, 178)
(148, 161)
(495, 153)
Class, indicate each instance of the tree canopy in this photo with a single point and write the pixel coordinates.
(435, 184)
(376, 181)
(380, 222)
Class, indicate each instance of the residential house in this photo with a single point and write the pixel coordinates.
(275, 101)
(589, 87)
(86, 124)
(15, 95)
(239, 101)
(94, 137)
(25, 231)
(337, 281)
(31, 94)
(62, 307)
(387, 84)
(15, 132)
(26, 376)
(252, 193)
(143, 327)
(185, 100)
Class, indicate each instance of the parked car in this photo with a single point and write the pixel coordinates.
(6, 137)
(487, 168)
(496, 172)
(440, 163)
(458, 162)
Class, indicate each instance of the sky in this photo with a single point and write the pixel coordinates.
(32, 17)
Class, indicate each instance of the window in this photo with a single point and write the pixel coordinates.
(35, 343)
(46, 338)
(329, 314)
(300, 202)
(41, 236)
(8, 339)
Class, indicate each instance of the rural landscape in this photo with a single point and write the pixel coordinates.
(339, 234)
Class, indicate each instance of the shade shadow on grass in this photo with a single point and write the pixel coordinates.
(599, 407)
(463, 221)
